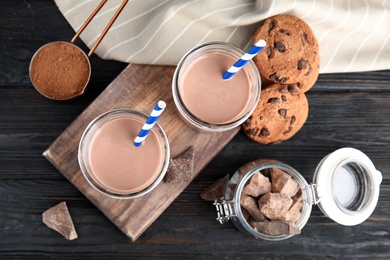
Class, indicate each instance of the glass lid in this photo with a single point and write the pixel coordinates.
(346, 185)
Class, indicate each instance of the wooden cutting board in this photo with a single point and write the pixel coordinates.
(138, 87)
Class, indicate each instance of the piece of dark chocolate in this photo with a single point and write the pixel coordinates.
(216, 190)
(181, 167)
(59, 219)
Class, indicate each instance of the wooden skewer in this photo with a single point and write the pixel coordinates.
(107, 27)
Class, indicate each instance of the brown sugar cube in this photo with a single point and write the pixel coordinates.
(216, 190)
(283, 183)
(257, 185)
(58, 219)
(249, 203)
(276, 228)
(275, 205)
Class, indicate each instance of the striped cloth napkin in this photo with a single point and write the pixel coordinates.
(354, 35)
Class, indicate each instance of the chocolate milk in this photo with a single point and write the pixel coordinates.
(119, 166)
(210, 98)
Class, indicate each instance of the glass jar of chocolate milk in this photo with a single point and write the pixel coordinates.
(270, 200)
(204, 99)
(110, 161)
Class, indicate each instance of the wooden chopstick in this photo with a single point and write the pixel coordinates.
(107, 27)
(88, 20)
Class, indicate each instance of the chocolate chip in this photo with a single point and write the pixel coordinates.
(302, 64)
(269, 51)
(282, 112)
(270, 26)
(264, 132)
(292, 121)
(292, 89)
(251, 131)
(288, 130)
(308, 72)
(284, 98)
(283, 80)
(273, 100)
(306, 37)
(261, 117)
(279, 46)
(284, 31)
(248, 121)
(272, 77)
(283, 89)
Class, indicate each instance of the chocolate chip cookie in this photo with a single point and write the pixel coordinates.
(280, 113)
(292, 52)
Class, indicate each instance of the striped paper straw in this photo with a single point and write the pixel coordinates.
(158, 109)
(244, 59)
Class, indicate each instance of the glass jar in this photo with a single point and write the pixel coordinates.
(209, 110)
(345, 187)
(110, 161)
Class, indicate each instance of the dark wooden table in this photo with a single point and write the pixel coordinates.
(345, 110)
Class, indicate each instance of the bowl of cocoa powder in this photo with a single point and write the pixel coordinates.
(60, 71)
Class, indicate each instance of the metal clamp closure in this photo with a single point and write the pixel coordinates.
(316, 198)
(224, 210)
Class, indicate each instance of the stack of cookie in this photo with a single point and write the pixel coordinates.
(289, 67)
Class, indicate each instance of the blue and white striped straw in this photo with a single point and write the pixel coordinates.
(158, 109)
(244, 59)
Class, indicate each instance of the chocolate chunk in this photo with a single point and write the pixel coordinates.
(282, 112)
(273, 100)
(59, 219)
(283, 183)
(257, 185)
(181, 167)
(264, 132)
(298, 197)
(294, 213)
(245, 214)
(302, 64)
(276, 228)
(284, 31)
(275, 205)
(279, 46)
(249, 203)
(216, 190)
(284, 98)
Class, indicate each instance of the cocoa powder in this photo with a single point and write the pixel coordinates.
(60, 70)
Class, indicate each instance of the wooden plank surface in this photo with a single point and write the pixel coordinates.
(138, 87)
(346, 109)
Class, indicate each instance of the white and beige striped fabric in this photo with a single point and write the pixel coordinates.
(354, 35)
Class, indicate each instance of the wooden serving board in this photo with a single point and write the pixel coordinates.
(138, 87)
